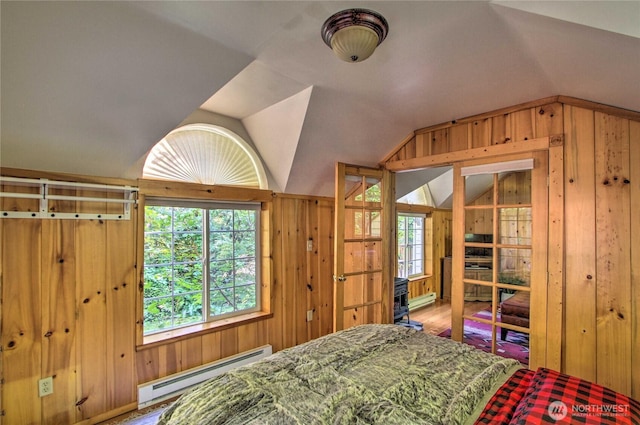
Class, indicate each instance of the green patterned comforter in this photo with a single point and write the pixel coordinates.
(370, 374)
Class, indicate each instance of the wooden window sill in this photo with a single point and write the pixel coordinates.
(163, 338)
(419, 277)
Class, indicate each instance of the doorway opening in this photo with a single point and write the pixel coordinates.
(495, 245)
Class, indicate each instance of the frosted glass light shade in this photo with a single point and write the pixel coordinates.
(354, 44)
(354, 34)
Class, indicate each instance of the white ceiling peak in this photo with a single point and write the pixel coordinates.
(276, 130)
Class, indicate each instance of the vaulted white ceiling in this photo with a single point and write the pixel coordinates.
(90, 87)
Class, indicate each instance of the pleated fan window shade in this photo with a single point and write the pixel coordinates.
(206, 154)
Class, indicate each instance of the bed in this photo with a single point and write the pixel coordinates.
(388, 374)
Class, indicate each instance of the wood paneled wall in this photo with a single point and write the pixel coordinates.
(302, 281)
(68, 290)
(69, 310)
(594, 231)
(602, 287)
(441, 245)
(520, 123)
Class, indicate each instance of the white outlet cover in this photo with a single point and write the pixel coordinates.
(45, 386)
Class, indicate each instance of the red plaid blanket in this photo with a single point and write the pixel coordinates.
(550, 397)
(503, 403)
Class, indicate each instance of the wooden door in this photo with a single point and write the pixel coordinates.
(500, 252)
(364, 231)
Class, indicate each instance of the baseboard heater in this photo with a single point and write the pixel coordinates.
(162, 389)
(421, 301)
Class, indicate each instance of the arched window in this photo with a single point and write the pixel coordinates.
(206, 154)
(201, 256)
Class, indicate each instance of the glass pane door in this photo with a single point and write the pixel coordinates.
(360, 281)
(497, 263)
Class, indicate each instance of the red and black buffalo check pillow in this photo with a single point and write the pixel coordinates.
(503, 403)
(551, 397)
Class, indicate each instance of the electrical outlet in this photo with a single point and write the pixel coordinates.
(45, 386)
(309, 315)
(309, 245)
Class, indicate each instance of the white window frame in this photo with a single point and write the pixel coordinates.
(401, 244)
(210, 205)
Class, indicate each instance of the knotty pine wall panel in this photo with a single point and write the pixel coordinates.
(21, 321)
(91, 306)
(534, 120)
(421, 286)
(613, 247)
(481, 133)
(120, 308)
(439, 142)
(293, 228)
(601, 313)
(598, 276)
(59, 318)
(69, 309)
(320, 270)
(580, 341)
(549, 119)
(601, 306)
(459, 137)
(441, 246)
(634, 155)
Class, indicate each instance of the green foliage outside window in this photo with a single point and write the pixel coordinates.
(181, 244)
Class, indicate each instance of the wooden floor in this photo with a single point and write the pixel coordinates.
(436, 317)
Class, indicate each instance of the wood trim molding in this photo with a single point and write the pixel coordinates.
(449, 158)
(168, 189)
(397, 148)
(555, 258)
(600, 107)
(414, 208)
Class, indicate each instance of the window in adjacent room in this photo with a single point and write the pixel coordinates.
(411, 244)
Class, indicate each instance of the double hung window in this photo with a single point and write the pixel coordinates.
(410, 244)
(201, 262)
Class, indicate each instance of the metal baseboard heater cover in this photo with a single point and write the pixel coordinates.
(162, 389)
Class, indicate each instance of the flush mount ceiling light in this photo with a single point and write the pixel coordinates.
(354, 34)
